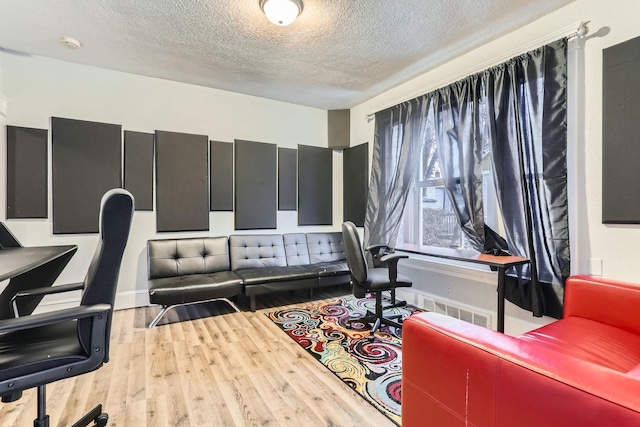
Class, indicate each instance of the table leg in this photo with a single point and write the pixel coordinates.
(501, 275)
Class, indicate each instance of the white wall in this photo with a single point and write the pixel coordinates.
(38, 88)
(610, 23)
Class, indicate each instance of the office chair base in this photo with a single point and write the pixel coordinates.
(95, 416)
(99, 418)
(378, 319)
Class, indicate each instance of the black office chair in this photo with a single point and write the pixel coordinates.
(42, 348)
(372, 280)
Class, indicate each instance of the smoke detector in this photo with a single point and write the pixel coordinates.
(70, 42)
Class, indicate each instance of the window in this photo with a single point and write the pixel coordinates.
(429, 218)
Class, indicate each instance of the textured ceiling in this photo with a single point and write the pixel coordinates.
(337, 54)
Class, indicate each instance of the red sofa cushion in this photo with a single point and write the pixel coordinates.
(589, 341)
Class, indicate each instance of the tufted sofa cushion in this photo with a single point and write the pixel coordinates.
(257, 250)
(181, 257)
(325, 247)
(295, 248)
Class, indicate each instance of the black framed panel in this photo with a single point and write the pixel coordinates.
(355, 167)
(621, 133)
(221, 176)
(315, 185)
(27, 167)
(287, 178)
(182, 182)
(255, 185)
(86, 159)
(138, 168)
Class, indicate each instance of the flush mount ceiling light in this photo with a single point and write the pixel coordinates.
(281, 12)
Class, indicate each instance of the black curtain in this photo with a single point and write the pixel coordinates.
(399, 132)
(527, 116)
(459, 134)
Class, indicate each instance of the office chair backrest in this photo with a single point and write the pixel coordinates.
(353, 251)
(116, 212)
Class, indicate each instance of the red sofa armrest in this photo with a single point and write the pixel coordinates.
(457, 374)
(612, 302)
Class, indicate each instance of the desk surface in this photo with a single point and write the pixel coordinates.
(16, 261)
(465, 255)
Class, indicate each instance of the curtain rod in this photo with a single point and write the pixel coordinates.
(578, 31)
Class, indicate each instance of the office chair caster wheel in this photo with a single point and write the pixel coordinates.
(101, 420)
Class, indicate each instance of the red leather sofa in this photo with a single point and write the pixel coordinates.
(582, 370)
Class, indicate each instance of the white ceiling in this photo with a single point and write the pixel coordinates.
(337, 54)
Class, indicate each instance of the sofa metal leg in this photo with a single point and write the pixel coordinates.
(160, 315)
(166, 308)
(252, 303)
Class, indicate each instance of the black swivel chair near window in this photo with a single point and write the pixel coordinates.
(372, 280)
(43, 348)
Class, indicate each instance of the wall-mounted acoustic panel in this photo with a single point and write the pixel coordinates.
(138, 168)
(338, 129)
(355, 166)
(86, 158)
(621, 133)
(27, 166)
(287, 178)
(182, 182)
(255, 185)
(221, 176)
(315, 185)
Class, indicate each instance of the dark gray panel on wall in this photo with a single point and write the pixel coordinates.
(86, 159)
(355, 166)
(138, 168)
(287, 178)
(621, 133)
(27, 167)
(338, 129)
(182, 182)
(315, 185)
(255, 185)
(221, 176)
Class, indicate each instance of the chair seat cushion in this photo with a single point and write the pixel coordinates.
(590, 341)
(253, 276)
(194, 288)
(331, 268)
(378, 280)
(38, 349)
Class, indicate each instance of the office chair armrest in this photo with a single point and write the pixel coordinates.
(391, 260)
(36, 320)
(48, 290)
(374, 249)
(377, 251)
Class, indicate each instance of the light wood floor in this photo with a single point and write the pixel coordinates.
(204, 365)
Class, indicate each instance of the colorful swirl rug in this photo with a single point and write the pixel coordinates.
(370, 367)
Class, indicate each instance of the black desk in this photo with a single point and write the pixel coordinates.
(30, 268)
(501, 263)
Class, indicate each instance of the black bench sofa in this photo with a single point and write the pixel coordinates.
(193, 270)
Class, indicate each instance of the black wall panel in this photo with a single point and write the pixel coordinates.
(27, 166)
(182, 182)
(86, 158)
(315, 185)
(355, 166)
(221, 176)
(287, 178)
(621, 133)
(138, 168)
(255, 185)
